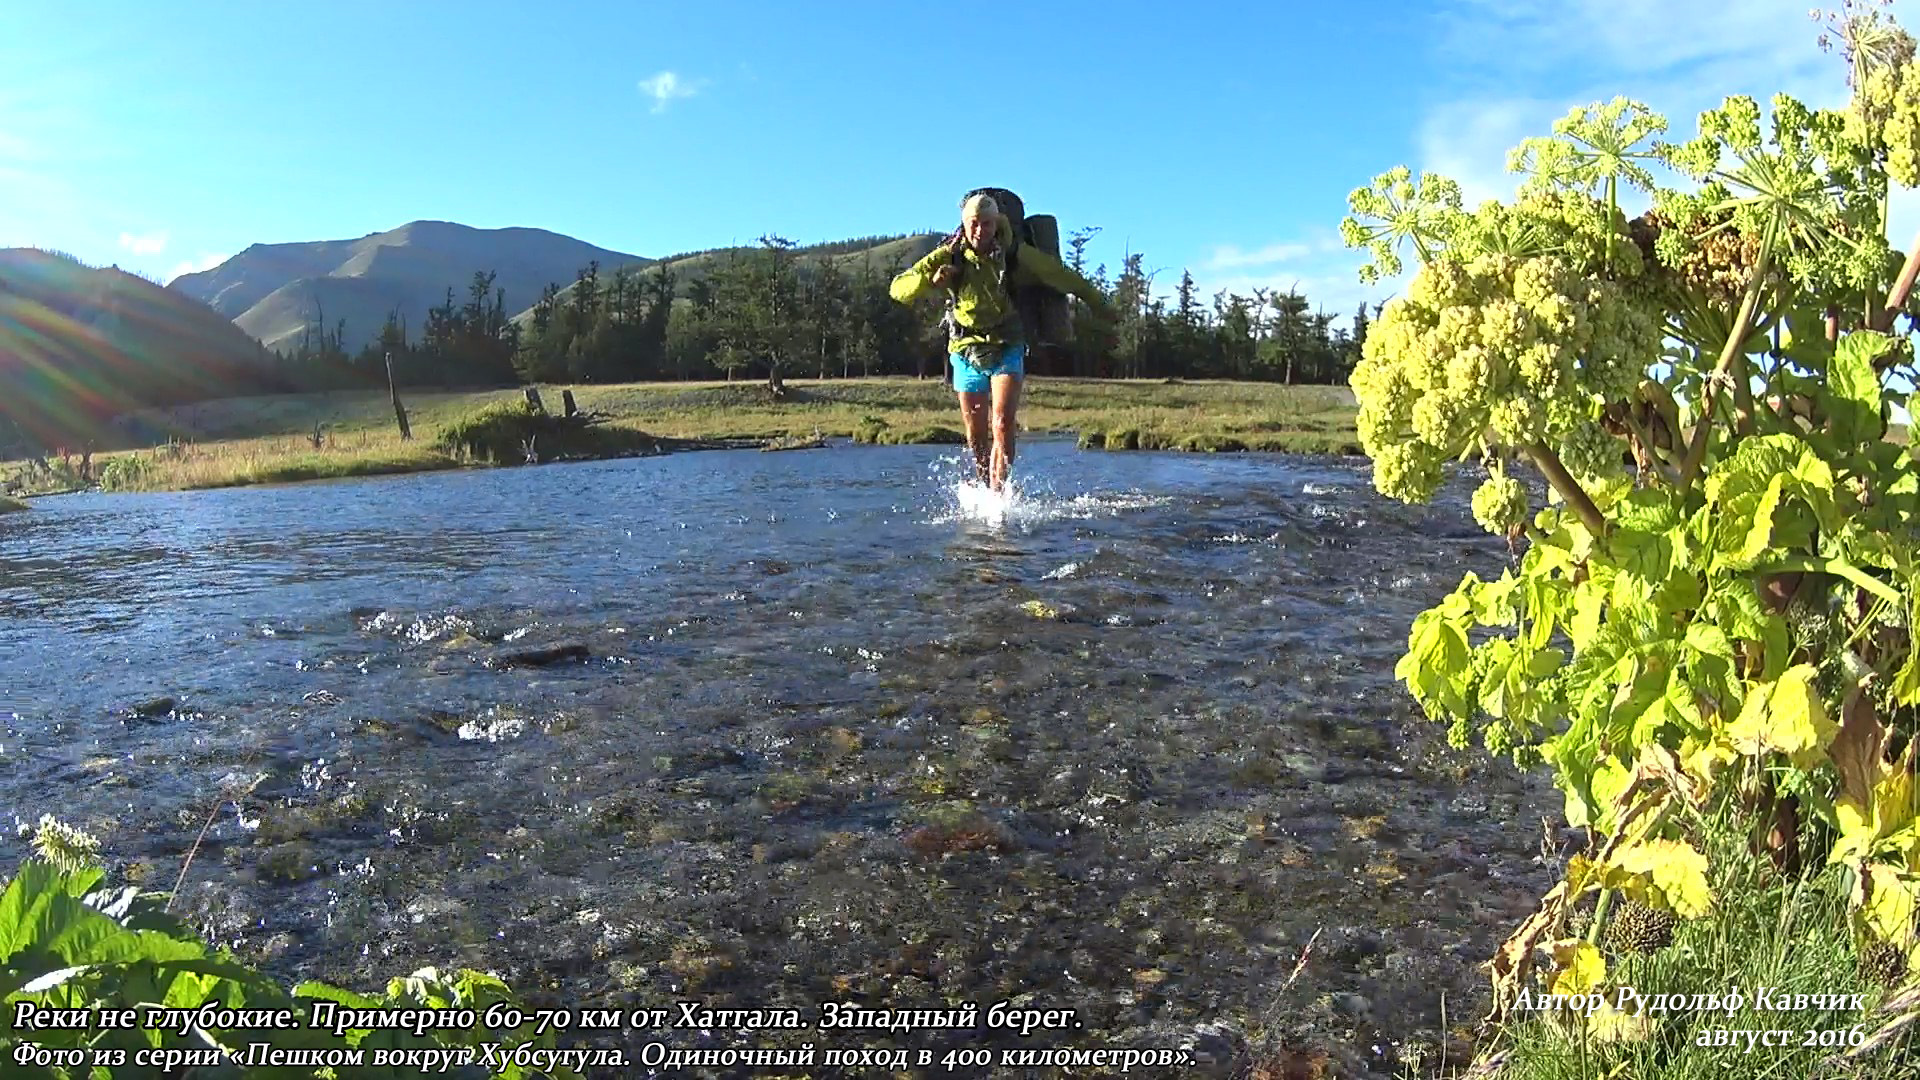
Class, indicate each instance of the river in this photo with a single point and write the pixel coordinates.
(778, 729)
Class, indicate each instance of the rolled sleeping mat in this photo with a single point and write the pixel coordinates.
(1055, 316)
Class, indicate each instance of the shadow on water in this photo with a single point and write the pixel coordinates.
(779, 729)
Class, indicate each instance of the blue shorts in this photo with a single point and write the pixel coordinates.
(971, 379)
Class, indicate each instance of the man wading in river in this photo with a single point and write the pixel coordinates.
(981, 266)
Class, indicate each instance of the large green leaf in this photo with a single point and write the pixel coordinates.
(1817, 485)
(1496, 603)
(1803, 338)
(1786, 716)
(1589, 604)
(320, 991)
(1546, 606)
(1739, 612)
(1906, 682)
(1853, 386)
(1707, 638)
(1645, 560)
(1752, 467)
(1492, 690)
(1682, 710)
(1436, 664)
(40, 916)
(1652, 510)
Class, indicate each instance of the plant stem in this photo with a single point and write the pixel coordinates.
(1569, 488)
(1897, 299)
(1742, 394)
(1841, 568)
(1600, 907)
(1613, 207)
(1697, 452)
(181, 880)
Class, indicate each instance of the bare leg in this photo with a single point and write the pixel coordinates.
(1006, 407)
(973, 414)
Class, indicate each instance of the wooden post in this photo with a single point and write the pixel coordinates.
(533, 399)
(399, 411)
(566, 397)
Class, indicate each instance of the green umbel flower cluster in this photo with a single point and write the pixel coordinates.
(1503, 349)
(1805, 179)
(1500, 503)
(1887, 110)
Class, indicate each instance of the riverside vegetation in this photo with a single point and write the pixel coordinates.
(771, 313)
(300, 437)
(1708, 630)
(70, 941)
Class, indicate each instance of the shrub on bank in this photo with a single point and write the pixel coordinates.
(514, 431)
(69, 941)
(1711, 631)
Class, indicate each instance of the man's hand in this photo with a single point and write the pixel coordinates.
(946, 276)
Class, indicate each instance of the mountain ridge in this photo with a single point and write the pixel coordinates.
(80, 344)
(278, 292)
(284, 293)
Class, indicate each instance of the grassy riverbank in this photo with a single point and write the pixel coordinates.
(310, 436)
(8, 506)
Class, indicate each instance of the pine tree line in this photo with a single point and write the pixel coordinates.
(775, 311)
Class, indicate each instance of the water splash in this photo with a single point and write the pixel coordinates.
(981, 503)
(1029, 498)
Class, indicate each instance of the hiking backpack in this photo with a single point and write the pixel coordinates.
(1044, 317)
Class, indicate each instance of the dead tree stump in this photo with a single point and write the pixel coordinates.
(399, 411)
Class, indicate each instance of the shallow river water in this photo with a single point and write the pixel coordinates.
(781, 729)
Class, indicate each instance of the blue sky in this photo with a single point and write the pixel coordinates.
(1221, 138)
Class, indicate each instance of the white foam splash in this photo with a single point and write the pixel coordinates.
(1017, 504)
(985, 504)
(493, 727)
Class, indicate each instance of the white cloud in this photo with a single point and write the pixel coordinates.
(665, 87)
(1629, 37)
(1677, 59)
(1467, 142)
(152, 243)
(1509, 68)
(189, 266)
(1228, 256)
(1317, 263)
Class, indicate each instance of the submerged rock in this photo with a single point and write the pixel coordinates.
(547, 657)
(152, 709)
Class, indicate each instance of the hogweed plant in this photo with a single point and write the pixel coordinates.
(1713, 616)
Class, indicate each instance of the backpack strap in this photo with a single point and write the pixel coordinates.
(1002, 262)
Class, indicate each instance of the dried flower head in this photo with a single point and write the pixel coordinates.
(66, 847)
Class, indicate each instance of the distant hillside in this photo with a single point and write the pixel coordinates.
(882, 253)
(276, 292)
(79, 345)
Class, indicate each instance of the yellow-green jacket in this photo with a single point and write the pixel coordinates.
(984, 310)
